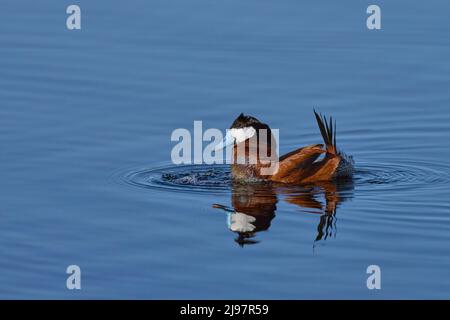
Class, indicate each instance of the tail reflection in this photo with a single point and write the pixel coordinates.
(254, 206)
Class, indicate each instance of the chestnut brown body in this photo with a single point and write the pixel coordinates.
(318, 162)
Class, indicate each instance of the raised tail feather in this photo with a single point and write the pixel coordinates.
(328, 132)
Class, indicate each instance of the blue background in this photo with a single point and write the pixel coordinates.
(79, 108)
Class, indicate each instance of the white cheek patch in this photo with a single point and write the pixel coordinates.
(242, 134)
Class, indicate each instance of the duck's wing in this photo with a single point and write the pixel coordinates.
(294, 161)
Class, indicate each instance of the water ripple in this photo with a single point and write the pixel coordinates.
(386, 176)
(190, 178)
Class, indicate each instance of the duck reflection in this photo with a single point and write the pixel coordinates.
(254, 206)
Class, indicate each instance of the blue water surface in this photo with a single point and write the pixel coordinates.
(85, 123)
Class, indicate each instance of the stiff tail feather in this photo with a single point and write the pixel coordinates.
(328, 131)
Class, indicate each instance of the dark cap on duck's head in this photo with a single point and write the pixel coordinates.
(245, 121)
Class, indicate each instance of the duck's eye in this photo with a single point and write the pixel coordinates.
(242, 134)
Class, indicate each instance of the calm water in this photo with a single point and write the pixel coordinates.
(86, 178)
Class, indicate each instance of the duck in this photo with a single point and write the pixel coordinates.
(253, 159)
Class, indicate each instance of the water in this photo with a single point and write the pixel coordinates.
(86, 178)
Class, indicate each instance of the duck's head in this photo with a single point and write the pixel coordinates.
(254, 148)
(242, 129)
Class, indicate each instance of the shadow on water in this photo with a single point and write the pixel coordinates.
(254, 206)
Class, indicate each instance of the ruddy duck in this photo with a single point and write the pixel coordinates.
(296, 167)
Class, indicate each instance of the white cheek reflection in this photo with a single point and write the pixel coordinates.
(241, 222)
(242, 134)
